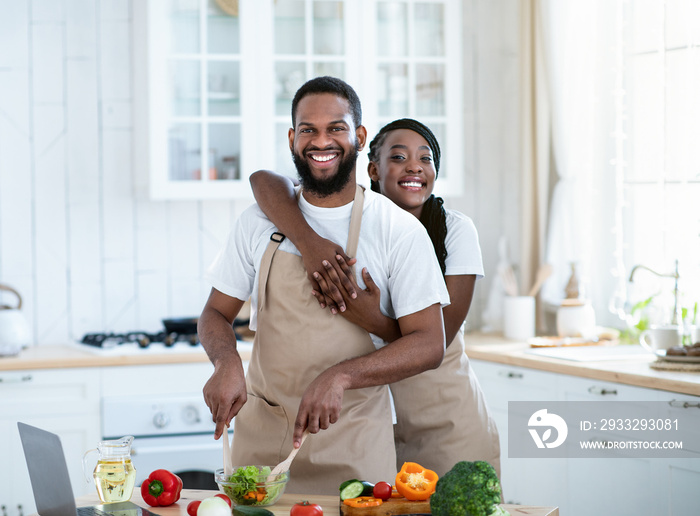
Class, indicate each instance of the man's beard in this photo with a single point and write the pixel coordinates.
(327, 186)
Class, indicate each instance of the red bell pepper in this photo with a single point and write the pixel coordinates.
(161, 488)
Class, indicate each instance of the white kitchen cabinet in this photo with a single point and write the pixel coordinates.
(610, 477)
(524, 481)
(155, 380)
(65, 402)
(214, 80)
(616, 485)
(680, 478)
(680, 494)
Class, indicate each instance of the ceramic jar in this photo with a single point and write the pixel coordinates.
(576, 318)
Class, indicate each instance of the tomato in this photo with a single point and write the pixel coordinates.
(225, 498)
(306, 509)
(192, 507)
(382, 490)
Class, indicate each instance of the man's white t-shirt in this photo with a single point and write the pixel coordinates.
(393, 245)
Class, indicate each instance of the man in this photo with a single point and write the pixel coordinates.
(310, 369)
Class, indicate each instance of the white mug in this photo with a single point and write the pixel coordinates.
(658, 338)
(694, 335)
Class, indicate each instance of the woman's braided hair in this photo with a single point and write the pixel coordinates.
(433, 216)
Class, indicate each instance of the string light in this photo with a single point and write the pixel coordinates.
(619, 300)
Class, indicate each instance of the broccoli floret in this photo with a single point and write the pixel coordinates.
(468, 489)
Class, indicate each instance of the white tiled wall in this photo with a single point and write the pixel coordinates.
(89, 254)
(84, 251)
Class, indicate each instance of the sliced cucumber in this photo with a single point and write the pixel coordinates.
(351, 489)
(347, 483)
(354, 488)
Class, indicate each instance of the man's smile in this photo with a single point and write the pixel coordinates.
(322, 158)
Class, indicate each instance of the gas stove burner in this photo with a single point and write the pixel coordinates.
(141, 338)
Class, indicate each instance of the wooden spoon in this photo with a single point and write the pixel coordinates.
(284, 465)
(510, 285)
(544, 272)
(228, 467)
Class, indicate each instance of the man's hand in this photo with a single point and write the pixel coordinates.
(225, 392)
(320, 405)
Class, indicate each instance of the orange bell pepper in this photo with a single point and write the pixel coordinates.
(363, 501)
(415, 482)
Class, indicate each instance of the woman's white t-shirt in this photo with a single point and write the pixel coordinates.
(462, 244)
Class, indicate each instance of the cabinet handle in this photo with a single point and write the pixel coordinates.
(602, 391)
(683, 404)
(16, 379)
(146, 450)
(510, 374)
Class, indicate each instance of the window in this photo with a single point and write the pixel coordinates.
(658, 157)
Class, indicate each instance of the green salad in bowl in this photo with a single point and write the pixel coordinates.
(249, 485)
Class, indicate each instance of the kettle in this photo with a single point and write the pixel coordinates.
(14, 328)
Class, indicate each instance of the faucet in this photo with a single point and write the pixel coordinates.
(674, 275)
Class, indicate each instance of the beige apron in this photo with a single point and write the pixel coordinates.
(295, 341)
(442, 417)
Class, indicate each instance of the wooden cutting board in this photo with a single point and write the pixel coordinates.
(388, 508)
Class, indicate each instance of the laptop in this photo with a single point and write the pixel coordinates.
(51, 485)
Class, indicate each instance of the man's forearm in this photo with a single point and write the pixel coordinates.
(215, 326)
(216, 335)
(225, 391)
(420, 349)
(384, 327)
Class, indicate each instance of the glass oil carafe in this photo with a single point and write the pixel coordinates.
(114, 475)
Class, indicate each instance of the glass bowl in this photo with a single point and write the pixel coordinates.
(257, 492)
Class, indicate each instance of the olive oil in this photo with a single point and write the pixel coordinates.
(114, 480)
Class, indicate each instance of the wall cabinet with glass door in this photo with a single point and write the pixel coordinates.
(214, 81)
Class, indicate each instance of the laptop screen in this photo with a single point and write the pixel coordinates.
(48, 472)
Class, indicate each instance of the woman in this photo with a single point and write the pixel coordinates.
(441, 414)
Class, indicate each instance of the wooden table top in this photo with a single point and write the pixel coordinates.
(330, 504)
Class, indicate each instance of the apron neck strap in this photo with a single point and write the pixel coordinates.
(355, 221)
(277, 238)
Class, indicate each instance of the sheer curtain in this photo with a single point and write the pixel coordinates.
(535, 142)
(577, 48)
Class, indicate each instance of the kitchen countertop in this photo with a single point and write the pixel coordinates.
(632, 370)
(329, 504)
(78, 355)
